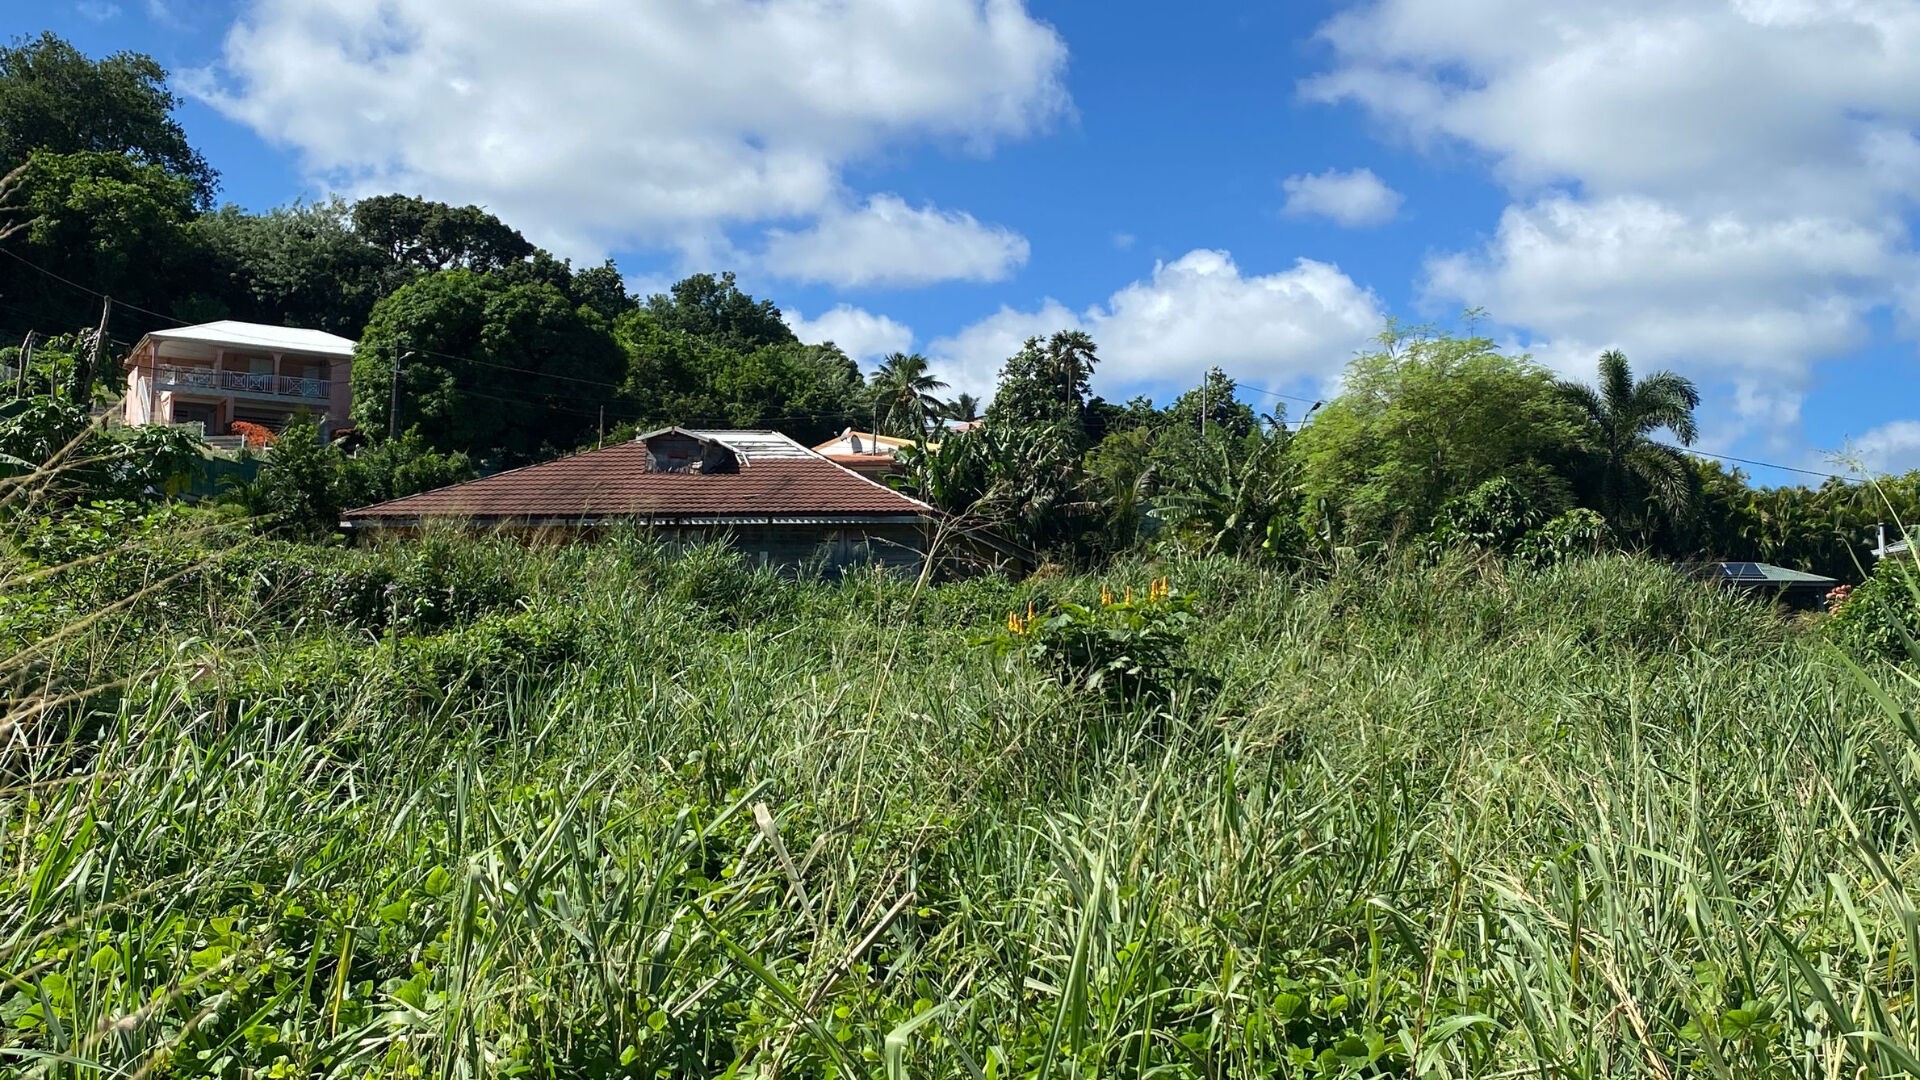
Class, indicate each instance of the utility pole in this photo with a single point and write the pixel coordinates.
(393, 402)
(602, 440)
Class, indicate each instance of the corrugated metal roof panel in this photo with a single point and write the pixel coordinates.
(755, 445)
(260, 336)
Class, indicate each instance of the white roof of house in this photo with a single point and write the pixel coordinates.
(260, 336)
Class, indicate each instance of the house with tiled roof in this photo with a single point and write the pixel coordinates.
(760, 491)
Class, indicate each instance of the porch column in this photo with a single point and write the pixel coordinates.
(153, 383)
(340, 392)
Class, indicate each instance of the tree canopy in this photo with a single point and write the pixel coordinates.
(53, 98)
(503, 372)
(1422, 420)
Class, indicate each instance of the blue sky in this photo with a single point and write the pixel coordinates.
(1723, 188)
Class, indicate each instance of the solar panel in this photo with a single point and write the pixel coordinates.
(1743, 571)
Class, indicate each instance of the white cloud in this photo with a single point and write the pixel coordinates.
(1194, 312)
(1718, 185)
(1890, 448)
(860, 333)
(1353, 199)
(1655, 97)
(889, 243)
(1746, 295)
(97, 11)
(601, 123)
(1123, 241)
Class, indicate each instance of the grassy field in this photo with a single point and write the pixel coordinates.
(465, 809)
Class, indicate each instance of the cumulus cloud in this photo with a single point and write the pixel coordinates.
(1755, 295)
(860, 333)
(601, 123)
(1656, 97)
(1353, 199)
(889, 243)
(1192, 313)
(1724, 183)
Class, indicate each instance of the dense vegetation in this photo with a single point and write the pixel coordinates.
(1387, 740)
(462, 807)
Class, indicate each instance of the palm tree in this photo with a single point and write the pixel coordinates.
(903, 395)
(1640, 480)
(962, 408)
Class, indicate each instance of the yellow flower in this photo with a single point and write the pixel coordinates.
(1106, 596)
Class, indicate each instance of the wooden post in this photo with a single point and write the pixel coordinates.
(84, 388)
(26, 357)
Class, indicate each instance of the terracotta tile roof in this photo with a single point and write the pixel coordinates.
(772, 482)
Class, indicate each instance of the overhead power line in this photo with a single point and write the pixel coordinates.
(1276, 393)
(95, 293)
(1763, 464)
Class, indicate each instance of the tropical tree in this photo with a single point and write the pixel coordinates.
(903, 395)
(1046, 383)
(1426, 418)
(1235, 494)
(1641, 484)
(962, 409)
(298, 265)
(430, 236)
(503, 372)
(712, 308)
(53, 98)
(1027, 483)
(111, 221)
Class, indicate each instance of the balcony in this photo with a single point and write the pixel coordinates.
(241, 382)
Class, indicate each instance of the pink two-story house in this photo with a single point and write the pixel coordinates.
(220, 372)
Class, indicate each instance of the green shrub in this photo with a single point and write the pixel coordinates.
(424, 585)
(1579, 532)
(1127, 647)
(1881, 616)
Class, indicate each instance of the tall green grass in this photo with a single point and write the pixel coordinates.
(643, 815)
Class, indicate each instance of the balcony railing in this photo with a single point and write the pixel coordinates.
(245, 382)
